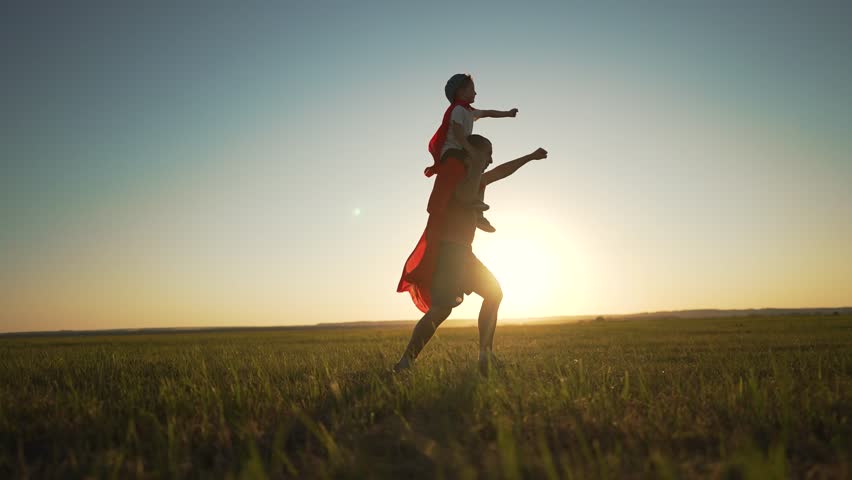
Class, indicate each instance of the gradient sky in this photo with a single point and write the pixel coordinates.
(178, 165)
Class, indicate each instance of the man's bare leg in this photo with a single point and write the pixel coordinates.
(487, 327)
(488, 322)
(421, 335)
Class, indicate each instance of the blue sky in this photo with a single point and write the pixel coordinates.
(201, 165)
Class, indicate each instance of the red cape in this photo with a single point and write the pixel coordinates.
(417, 272)
(418, 269)
(440, 137)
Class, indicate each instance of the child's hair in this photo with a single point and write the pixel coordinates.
(477, 141)
(457, 81)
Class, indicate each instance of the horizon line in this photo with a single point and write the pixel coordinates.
(363, 323)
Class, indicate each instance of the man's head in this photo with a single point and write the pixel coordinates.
(460, 88)
(483, 145)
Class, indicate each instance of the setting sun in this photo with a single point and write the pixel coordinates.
(341, 239)
(537, 272)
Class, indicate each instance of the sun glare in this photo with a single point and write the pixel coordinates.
(535, 271)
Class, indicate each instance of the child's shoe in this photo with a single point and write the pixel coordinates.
(483, 224)
(479, 205)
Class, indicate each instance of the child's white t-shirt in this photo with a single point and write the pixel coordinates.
(465, 118)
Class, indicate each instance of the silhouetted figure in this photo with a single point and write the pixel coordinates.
(442, 268)
(452, 135)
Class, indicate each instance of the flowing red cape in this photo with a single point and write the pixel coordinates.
(417, 272)
(418, 269)
(436, 144)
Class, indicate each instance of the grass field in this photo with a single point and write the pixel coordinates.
(658, 398)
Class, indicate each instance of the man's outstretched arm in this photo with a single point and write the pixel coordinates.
(505, 169)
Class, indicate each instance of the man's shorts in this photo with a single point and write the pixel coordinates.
(459, 272)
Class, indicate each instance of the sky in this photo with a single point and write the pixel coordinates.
(260, 163)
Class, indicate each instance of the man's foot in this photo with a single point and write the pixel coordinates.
(483, 224)
(403, 364)
(488, 362)
(479, 206)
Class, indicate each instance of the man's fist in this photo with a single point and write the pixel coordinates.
(513, 112)
(539, 154)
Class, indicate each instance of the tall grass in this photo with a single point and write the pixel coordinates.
(737, 398)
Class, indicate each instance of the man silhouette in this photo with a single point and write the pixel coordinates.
(442, 268)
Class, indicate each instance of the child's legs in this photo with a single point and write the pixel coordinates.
(469, 189)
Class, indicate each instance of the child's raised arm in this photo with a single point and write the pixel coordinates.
(498, 113)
